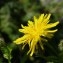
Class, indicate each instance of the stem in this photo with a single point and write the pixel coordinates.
(9, 58)
(9, 61)
(24, 58)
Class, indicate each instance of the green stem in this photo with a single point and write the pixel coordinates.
(9, 61)
(24, 58)
(9, 53)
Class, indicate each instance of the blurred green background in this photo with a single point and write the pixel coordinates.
(13, 13)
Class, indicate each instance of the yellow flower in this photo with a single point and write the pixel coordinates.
(35, 32)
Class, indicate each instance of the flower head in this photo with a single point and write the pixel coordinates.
(34, 31)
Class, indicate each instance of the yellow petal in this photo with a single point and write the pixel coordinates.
(46, 19)
(52, 25)
(21, 39)
(52, 31)
(41, 45)
(41, 18)
(30, 23)
(33, 49)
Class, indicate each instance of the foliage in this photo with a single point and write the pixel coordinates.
(13, 13)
